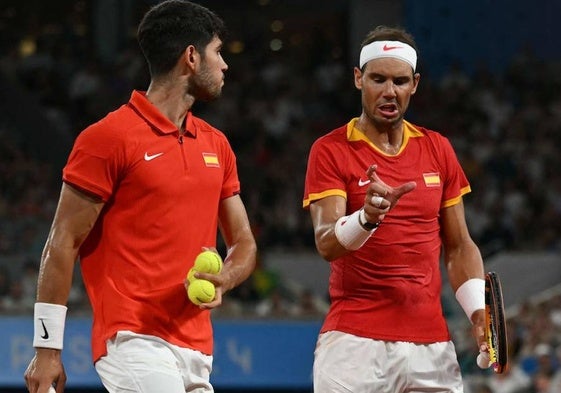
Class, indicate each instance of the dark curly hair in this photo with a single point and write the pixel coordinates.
(169, 27)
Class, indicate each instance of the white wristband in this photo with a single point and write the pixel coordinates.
(350, 233)
(471, 296)
(48, 324)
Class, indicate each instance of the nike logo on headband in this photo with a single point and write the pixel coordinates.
(397, 49)
(386, 47)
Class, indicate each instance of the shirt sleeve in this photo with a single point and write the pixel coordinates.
(95, 162)
(323, 176)
(231, 184)
(456, 183)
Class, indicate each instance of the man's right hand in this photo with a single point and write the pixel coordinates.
(381, 197)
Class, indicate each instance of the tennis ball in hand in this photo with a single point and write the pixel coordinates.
(191, 275)
(208, 262)
(483, 360)
(201, 291)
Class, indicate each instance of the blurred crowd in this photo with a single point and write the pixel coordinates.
(505, 126)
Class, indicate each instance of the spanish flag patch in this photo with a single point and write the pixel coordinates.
(432, 179)
(211, 159)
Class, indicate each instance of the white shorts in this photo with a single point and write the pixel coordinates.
(148, 364)
(345, 363)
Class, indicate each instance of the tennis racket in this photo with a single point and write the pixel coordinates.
(495, 326)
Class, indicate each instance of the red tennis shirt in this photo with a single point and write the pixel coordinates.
(161, 194)
(389, 289)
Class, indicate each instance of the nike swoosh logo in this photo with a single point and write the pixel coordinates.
(386, 47)
(46, 335)
(149, 158)
(363, 182)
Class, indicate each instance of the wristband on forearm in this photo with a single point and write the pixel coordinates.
(351, 232)
(48, 324)
(471, 296)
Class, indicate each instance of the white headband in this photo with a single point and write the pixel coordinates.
(395, 49)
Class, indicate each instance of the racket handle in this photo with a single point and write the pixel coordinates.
(483, 360)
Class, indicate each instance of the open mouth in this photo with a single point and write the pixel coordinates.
(388, 110)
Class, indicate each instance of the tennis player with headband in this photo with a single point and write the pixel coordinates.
(385, 197)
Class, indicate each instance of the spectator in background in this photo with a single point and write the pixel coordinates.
(309, 305)
(542, 382)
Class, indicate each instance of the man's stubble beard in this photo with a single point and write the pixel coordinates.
(203, 88)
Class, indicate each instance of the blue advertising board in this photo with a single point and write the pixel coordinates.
(248, 354)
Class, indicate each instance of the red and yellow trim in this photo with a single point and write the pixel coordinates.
(354, 134)
(455, 201)
(320, 195)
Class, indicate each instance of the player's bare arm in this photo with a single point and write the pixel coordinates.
(325, 213)
(462, 259)
(75, 216)
(241, 249)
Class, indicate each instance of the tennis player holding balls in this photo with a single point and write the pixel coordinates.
(385, 196)
(144, 192)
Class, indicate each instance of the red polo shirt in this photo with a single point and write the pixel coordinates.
(161, 194)
(389, 289)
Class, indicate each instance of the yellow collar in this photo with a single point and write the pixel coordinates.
(354, 134)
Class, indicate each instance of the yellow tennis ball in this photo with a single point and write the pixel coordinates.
(201, 291)
(191, 275)
(208, 262)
